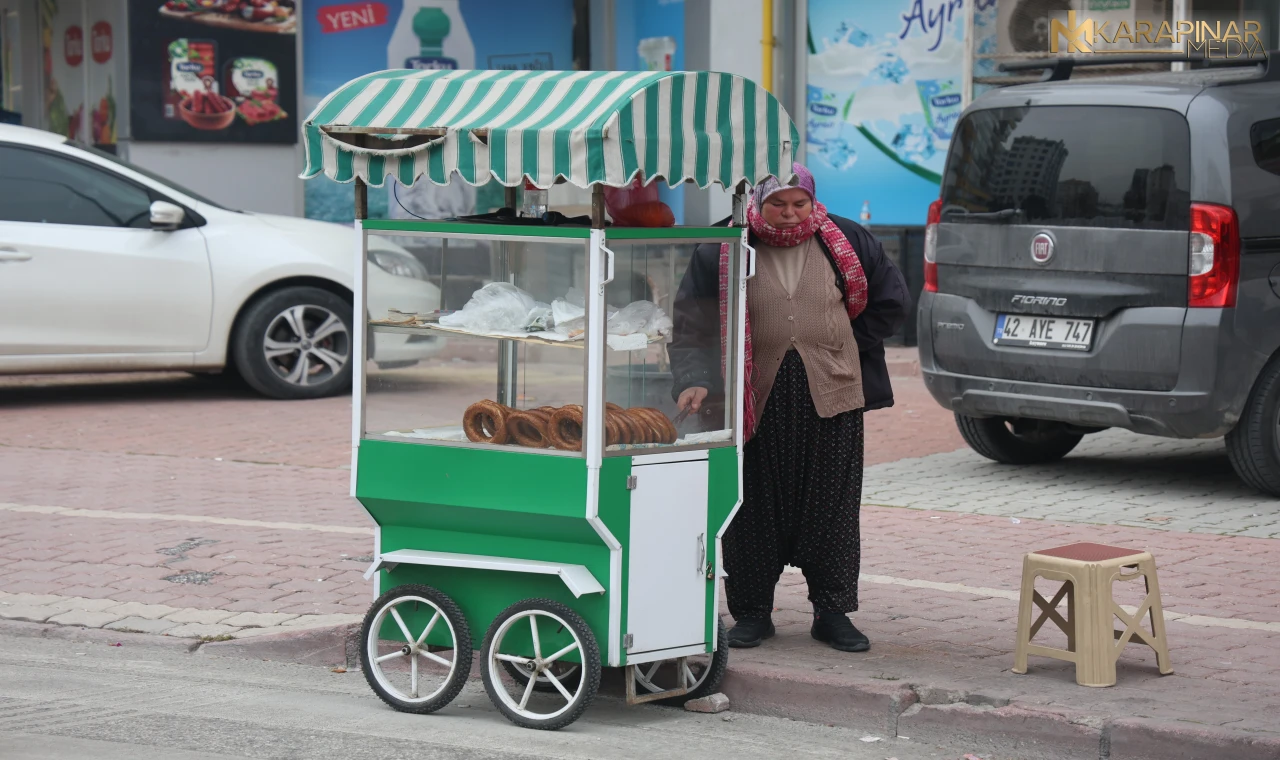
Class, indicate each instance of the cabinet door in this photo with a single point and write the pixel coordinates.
(667, 604)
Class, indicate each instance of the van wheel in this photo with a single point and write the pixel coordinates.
(1253, 445)
(1017, 441)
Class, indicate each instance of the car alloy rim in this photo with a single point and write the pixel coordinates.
(424, 664)
(538, 665)
(307, 345)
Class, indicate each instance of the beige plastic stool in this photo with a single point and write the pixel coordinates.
(1087, 572)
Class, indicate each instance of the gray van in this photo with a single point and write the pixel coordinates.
(1105, 253)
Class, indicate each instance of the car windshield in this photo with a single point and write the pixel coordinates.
(149, 174)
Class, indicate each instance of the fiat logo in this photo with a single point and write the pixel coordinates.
(1042, 248)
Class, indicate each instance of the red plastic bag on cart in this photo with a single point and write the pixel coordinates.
(637, 206)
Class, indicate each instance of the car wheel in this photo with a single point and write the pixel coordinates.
(1253, 445)
(1017, 441)
(295, 343)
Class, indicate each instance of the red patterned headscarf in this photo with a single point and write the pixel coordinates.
(818, 222)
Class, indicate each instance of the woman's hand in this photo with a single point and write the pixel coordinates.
(692, 398)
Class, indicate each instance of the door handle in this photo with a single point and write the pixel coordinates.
(702, 553)
(13, 254)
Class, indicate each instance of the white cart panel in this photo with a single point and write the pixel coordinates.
(668, 579)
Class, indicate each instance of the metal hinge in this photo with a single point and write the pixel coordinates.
(631, 482)
(629, 640)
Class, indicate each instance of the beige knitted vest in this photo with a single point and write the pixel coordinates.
(813, 321)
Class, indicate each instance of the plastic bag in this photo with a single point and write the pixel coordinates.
(500, 307)
(643, 317)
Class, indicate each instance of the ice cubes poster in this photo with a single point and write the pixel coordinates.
(346, 39)
(883, 97)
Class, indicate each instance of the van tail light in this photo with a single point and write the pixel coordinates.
(931, 247)
(1214, 257)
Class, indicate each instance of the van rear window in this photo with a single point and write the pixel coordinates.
(1075, 166)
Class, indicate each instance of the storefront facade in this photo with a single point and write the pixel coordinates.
(876, 87)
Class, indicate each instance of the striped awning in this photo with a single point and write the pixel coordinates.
(586, 127)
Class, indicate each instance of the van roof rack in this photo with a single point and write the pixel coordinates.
(1060, 69)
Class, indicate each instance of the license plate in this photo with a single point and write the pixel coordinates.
(1062, 333)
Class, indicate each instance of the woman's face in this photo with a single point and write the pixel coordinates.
(787, 208)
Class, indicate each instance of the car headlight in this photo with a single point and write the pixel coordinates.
(399, 264)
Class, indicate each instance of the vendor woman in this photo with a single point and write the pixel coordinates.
(822, 302)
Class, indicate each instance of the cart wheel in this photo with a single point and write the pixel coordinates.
(415, 677)
(568, 673)
(540, 620)
(704, 672)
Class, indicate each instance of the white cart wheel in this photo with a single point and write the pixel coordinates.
(410, 674)
(567, 673)
(533, 625)
(703, 672)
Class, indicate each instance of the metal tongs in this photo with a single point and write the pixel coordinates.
(681, 416)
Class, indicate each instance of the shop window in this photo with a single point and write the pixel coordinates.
(42, 187)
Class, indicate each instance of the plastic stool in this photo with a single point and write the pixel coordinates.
(1088, 572)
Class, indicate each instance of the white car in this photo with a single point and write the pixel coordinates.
(105, 266)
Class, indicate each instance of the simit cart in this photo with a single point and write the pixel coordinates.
(533, 483)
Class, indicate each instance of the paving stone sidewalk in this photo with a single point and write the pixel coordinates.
(1114, 477)
(174, 506)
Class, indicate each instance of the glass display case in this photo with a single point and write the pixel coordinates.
(515, 364)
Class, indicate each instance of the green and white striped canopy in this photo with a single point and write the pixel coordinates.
(589, 127)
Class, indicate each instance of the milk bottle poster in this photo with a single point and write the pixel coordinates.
(884, 94)
(346, 39)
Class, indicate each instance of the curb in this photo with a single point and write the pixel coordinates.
(889, 708)
(932, 714)
(926, 713)
(328, 647)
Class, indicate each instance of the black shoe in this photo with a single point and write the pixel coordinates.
(835, 629)
(749, 632)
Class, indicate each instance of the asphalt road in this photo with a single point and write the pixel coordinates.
(64, 695)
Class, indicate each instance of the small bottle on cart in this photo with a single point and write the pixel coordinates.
(535, 201)
(865, 215)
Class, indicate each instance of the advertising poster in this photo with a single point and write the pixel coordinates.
(348, 39)
(884, 94)
(649, 36)
(63, 75)
(10, 75)
(213, 70)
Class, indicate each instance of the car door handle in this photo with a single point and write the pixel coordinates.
(13, 254)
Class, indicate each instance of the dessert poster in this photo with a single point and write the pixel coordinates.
(214, 70)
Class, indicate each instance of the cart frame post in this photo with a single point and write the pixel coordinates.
(740, 205)
(362, 200)
(597, 207)
(679, 691)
